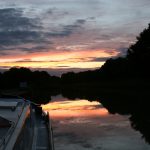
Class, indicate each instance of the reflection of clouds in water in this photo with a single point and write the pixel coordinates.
(76, 109)
(99, 121)
(64, 102)
(72, 138)
(112, 125)
(80, 108)
(91, 107)
(72, 120)
(84, 125)
(73, 105)
(75, 121)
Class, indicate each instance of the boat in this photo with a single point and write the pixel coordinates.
(24, 125)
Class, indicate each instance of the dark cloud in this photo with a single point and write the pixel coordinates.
(99, 59)
(4, 50)
(63, 66)
(90, 59)
(36, 61)
(123, 51)
(80, 21)
(49, 11)
(24, 60)
(36, 49)
(56, 34)
(111, 52)
(55, 13)
(8, 38)
(16, 29)
(106, 37)
(67, 30)
(91, 18)
(12, 19)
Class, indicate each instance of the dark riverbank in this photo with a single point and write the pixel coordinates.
(42, 94)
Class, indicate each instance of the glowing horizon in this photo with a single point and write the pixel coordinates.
(73, 59)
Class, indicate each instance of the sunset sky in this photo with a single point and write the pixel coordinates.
(68, 35)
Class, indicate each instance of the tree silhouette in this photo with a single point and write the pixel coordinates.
(115, 68)
(135, 64)
(138, 54)
(0, 80)
(142, 46)
(14, 76)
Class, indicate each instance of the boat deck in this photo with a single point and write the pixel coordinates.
(10, 112)
(41, 130)
(23, 125)
(3, 131)
(4, 127)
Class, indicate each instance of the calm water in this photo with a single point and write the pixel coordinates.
(83, 125)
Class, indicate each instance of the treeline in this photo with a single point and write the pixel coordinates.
(24, 77)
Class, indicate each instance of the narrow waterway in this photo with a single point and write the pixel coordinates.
(83, 125)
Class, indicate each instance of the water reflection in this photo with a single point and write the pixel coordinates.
(80, 124)
(77, 108)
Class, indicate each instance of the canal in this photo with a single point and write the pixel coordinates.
(83, 125)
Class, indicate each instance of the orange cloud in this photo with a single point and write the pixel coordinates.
(51, 59)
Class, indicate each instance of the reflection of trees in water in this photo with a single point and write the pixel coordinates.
(38, 96)
(137, 107)
(135, 104)
(141, 123)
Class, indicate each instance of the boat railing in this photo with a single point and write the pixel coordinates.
(50, 131)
